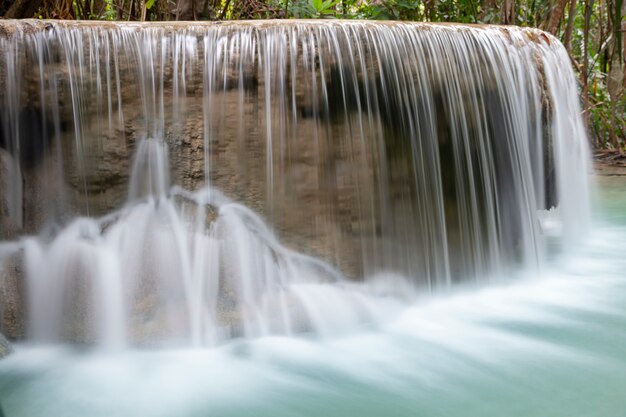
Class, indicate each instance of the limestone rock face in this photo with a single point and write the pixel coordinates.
(12, 300)
(5, 347)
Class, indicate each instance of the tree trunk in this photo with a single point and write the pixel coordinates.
(507, 14)
(571, 16)
(185, 10)
(585, 58)
(486, 6)
(23, 9)
(98, 9)
(615, 76)
(556, 16)
(624, 43)
(430, 9)
(119, 4)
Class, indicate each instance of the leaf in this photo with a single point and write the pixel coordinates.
(149, 4)
(316, 4)
(329, 3)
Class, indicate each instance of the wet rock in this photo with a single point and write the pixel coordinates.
(10, 201)
(5, 347)
(12, 307)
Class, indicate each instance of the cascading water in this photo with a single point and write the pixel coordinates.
(407, 156)
(310, 199)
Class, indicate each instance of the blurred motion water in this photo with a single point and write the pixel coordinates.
(549, 345)
(152, 170)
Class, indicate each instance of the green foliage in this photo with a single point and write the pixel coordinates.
(607, 116)
(314, 9)
(398, 10)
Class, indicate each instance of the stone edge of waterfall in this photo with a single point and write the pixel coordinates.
(11, 27)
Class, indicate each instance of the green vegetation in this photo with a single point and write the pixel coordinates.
(593, 31)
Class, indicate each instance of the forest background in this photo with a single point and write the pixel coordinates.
(593, 32)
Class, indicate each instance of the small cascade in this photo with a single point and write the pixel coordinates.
(150, 175)
(190, 183)
(182, 267)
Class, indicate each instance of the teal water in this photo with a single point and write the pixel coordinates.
(546, 345)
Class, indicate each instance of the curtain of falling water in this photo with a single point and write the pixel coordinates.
(424, 151)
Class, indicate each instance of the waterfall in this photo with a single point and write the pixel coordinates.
(201, 181)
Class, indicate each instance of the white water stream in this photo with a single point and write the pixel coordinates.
(548, 345)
